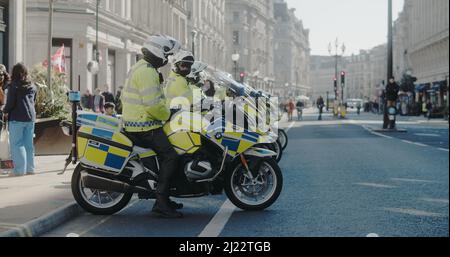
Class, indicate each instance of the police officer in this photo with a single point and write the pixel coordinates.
(144, 111)
(178, 92)
(194, 79)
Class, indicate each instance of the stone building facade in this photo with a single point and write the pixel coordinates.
(12, 33)
(123, 27)
(249, 32)
(291, 53)
(206, 31)
(422, 48)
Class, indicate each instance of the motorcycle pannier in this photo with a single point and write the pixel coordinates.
(103, 149)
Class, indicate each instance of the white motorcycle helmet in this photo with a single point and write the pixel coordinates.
(176, 46)
(182, 58)
(157, 49)
(196, 69)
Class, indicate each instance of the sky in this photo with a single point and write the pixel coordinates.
(360, 24)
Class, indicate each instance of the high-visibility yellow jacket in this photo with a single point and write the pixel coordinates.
(144, 104)
(178, 91)
(221, 93)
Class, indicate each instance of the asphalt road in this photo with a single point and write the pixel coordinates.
(341, 180)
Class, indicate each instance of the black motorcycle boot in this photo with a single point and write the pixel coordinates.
(175, 205)
(163, 209)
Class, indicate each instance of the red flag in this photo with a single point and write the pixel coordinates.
(58, 61)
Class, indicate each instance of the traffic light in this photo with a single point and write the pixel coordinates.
(343, 77)
(242, 76)
(335, 83)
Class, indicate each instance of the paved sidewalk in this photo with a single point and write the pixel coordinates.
(26, 202)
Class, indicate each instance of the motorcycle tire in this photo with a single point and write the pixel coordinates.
(246, 205)
(283, 138)
(76, 184)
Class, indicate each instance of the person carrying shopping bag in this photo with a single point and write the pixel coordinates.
(21, 117)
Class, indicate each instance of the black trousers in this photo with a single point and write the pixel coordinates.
(158, 141)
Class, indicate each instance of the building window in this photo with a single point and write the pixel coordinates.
(236, 16)
(236, 37)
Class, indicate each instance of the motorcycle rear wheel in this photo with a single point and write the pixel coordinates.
(113, 201)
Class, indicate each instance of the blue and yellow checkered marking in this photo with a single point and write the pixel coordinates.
(103, 133)
(106, 156)
(232, 144)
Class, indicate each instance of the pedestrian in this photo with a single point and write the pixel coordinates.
(291, 108)
(118, 100)
(110, 109)
(358, 108)
(320, 105)
(300, 106)
(99, 102)
(429, 109)
(424, 109)
(4, 82)
(108, 96)
(21, 117)
(87, 100)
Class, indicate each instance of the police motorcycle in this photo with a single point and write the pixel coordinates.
(281, 142)
(255, 100)
(111, 167)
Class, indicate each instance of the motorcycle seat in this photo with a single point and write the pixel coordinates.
(140, 150)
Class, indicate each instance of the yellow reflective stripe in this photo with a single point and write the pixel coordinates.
(142, 102)
(132, 101)
(118, 152)
(147, 154)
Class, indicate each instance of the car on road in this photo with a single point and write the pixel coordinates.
(353, 103)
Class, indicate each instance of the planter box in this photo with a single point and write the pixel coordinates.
(49, 139)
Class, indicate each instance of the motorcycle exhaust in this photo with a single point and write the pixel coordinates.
(104, 184)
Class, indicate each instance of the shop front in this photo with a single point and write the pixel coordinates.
(4, 32)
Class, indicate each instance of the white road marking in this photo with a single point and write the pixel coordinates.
(426, 135)
(414, 212)
(290, 126)
(218, 222)
(414, 143)
(431, 200)
(443, 149)
(414, 180)
(376, 133)
(372, 235)
(374, 185)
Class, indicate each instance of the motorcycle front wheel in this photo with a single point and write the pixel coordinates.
(95, 201)
(283, 139)
(258, 193)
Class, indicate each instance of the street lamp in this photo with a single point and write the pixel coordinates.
(50, 44)
(97, 53)
(94, 66)
(235, 57)
(194, 35)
